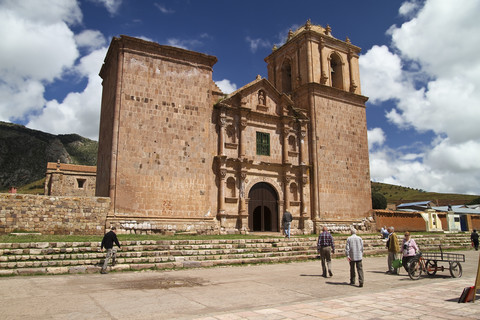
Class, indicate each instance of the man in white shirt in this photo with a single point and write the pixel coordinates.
(354, 253)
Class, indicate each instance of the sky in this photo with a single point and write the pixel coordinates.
(419, 66)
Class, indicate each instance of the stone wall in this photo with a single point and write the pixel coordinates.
(161, 160)
(53, 215)
(475, 222)
(401, 221)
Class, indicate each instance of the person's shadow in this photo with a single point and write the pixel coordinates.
(344, 283)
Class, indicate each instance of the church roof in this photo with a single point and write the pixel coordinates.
(266, 84)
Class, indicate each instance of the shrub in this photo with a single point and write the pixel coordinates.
(378, 201)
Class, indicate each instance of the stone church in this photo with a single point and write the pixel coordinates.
(178, 155)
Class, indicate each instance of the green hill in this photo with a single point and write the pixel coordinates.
(24, 153)
(398, 194)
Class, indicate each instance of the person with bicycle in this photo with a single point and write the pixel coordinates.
(409, 249)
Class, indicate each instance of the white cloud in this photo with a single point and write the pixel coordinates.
(79, 112)
(35, 52)
(186, 44)
(38, 49)
(226, 86)
(43, 12)
(382, 77)
(112, 6)
(432, 77)
(376, 137)
(258, 43)
(408, 8)
(90, 39)
(163, 9)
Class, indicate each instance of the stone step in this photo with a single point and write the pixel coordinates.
(64, 257)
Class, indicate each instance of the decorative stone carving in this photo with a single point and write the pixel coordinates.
(323, 78)
(223, 121)
(328, 30)
(223, 173)
(261, 98)
(308, 25)
(305, 180)
(353, 86)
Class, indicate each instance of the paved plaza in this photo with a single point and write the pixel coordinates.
(268, 291)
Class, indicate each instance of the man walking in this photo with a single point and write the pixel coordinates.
(107, 242)
(474, 238)
(287, 220)
(393, 250)
(325, 248)
(354, 253)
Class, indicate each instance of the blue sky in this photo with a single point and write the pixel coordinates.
(419, 67)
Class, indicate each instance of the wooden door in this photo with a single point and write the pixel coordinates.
(262, 208)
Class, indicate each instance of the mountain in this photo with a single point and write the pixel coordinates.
(398, 194)
(24, 153)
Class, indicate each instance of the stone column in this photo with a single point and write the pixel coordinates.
(303, 185)
(309, 61)
(287, 192)
(221, 136)
(243, 206)
(313, 149)
(116, 128)
(286, 131)
(221, 191)
(302, 147)
(353, 86)
(323, 73)
(243, 125)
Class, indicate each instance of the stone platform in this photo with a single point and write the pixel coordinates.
(269, 291)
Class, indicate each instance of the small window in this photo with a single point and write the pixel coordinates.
(263, 144)
(81, 183)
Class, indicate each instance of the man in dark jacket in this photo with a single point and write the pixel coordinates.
(325, 247)
(474, 238)
(107, 242)
(287, 220)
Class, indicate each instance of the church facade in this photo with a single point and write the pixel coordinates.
(178, 155)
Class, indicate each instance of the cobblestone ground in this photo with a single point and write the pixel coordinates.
(268, 291)
(425, 301)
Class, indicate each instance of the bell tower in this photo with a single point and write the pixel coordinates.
(321, 75)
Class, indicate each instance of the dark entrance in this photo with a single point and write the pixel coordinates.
(262, 208)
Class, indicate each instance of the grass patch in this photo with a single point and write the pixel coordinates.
(122, 237)
(140, 237)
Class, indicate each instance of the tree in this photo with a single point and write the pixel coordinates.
(474, 201)
(378, 201)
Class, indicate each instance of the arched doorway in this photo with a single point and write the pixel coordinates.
(262, 208)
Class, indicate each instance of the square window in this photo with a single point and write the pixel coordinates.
(263, 144)
(81, 183)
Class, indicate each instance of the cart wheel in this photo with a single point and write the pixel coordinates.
(415, 269)
(431, 267)
(455, 269)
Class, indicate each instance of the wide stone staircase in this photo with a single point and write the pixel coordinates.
(86, 257)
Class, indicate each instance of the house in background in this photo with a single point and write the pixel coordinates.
(448, 218)
(63, 179)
